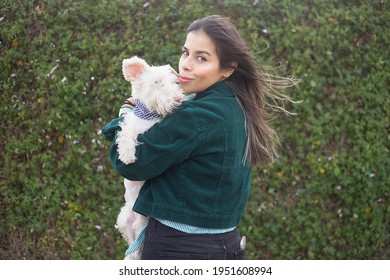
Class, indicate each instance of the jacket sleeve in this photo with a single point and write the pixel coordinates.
(110, 129)
(165, 144)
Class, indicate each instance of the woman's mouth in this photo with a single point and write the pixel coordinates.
(184, 79)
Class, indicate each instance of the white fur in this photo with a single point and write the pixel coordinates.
(157, 87)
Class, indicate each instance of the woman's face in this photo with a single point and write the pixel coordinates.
(199, 65)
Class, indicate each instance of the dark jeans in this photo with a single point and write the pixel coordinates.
(165, 243)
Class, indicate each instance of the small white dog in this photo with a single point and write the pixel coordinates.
(157, 93)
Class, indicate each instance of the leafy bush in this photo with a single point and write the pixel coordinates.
(325, 198)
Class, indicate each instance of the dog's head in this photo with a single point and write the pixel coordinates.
(155, 86)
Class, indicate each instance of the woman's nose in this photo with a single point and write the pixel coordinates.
(185, 64)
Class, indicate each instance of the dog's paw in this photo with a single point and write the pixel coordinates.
(126, 150)
(127, 158)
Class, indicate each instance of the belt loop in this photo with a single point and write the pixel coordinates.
(154, 223)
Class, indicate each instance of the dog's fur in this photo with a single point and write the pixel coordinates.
(157, 87)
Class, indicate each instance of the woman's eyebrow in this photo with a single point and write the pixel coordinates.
(198, 52)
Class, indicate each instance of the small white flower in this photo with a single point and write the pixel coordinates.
(98, 227)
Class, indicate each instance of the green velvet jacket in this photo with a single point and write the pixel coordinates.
(192, 162)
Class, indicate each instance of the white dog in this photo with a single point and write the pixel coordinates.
(157, 94)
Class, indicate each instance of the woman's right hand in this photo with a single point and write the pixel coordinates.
(129, 103)
(127, 107)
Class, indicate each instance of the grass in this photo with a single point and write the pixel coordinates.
(327, 196)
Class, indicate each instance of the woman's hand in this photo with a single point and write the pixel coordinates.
(129, 103)
(128, 106)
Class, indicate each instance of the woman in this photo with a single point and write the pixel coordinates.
(197, 162)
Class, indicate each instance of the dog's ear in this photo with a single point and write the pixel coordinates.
(173, 71)
(133, 67)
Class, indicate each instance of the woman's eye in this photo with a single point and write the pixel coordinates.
(201, 58)
(185, 53)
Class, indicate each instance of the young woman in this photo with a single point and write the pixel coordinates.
(197, 162)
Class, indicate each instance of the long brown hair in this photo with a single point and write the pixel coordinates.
(258, 92)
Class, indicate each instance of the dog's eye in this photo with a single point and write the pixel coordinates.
(157, 82)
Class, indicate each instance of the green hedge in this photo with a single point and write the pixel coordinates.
(327, 196)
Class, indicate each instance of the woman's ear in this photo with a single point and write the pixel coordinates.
(229, 70)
